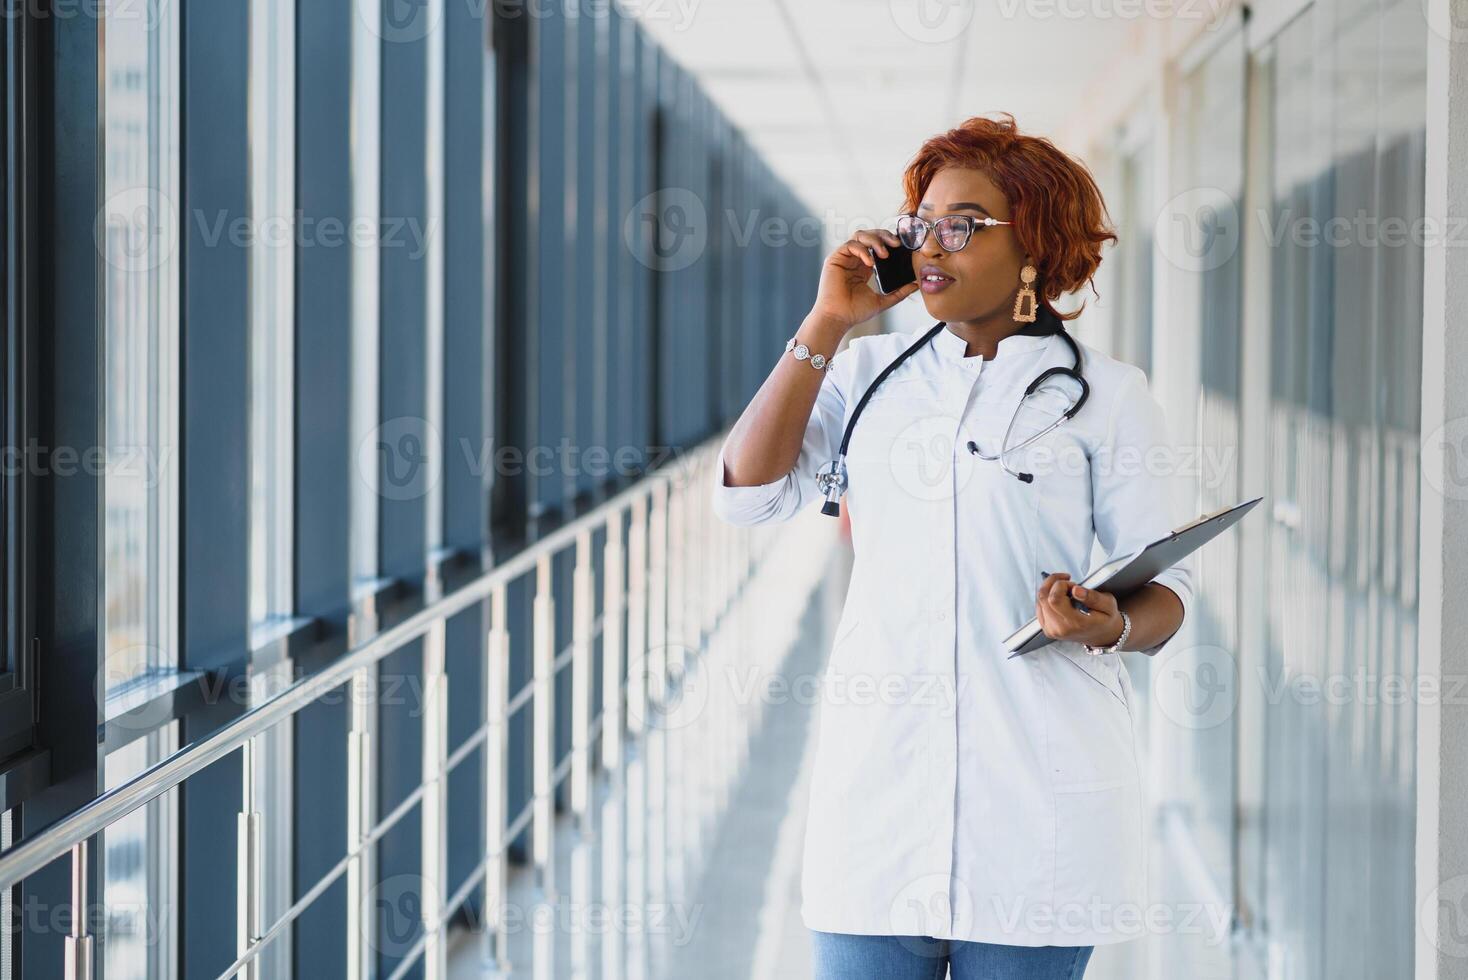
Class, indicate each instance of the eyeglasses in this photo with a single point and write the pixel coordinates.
(953, 230)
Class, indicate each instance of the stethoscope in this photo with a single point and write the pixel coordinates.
(832, 478)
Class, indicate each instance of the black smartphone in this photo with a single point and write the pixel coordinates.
(895, 271)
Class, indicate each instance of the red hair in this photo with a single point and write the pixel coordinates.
(1056, 206)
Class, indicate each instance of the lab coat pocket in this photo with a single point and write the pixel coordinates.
(1104, 668)
(1089, 724)
(1098, 857)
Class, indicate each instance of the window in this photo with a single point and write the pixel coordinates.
(272, 110)
(433, 340)
(140, 874)
(16, 627)
(1343, 130)
(272, 305)
(366, 187)
(139, 232)
(1134, 339)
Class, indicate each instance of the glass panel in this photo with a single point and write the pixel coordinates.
(140, 287)
(139, 884)
(1347, 142)
(1194, 737)
(366, 186)
(272, 304)
(272, 408)
(7, 902)
(10, 639)
(1293, 789)
(433, 169)
(1135, 250)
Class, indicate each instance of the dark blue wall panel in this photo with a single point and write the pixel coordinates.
(325, 466)
(214, 427)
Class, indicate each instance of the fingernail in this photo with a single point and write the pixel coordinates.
(1080, 591)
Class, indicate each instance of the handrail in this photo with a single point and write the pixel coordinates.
(33, 854)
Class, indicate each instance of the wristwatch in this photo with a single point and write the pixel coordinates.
(1126, 631)
(818, 361)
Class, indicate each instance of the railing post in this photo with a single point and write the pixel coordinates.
(248, 891)
(674, 671)
(434, 852)
(611, 645)
(544, 751)
(677, 640)
(496, 784)
(361, 766)
(583, 614)
(656, 743)
(79, 964)
(657, 599)
(710, 536)
(637, 640)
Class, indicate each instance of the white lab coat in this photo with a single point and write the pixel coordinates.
(957, 793)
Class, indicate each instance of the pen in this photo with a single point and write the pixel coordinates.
(1074, 601)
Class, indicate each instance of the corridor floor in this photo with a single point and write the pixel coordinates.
(723, 907)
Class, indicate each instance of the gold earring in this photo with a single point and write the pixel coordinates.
(1025, 303)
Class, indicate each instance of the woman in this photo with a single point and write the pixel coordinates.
(970, 811)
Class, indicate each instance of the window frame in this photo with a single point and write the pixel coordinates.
(17, 362)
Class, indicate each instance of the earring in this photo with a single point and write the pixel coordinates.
(1025, 303)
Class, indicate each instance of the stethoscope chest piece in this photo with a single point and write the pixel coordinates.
(831, 481)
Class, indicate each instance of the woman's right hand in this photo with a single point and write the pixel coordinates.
(844, 297)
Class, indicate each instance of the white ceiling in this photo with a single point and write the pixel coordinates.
(838, 94)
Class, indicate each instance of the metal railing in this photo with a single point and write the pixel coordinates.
(683, 569)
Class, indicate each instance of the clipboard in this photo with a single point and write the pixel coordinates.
(1126, 573)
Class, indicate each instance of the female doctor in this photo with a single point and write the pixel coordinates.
(977, 813)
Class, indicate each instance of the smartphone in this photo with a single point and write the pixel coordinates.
(895, 271)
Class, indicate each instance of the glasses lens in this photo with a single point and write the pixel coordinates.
(911, 231)
(952, 231)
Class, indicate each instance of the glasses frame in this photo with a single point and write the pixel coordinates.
(968, 221)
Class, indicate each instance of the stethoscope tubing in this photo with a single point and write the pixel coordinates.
(833, 477)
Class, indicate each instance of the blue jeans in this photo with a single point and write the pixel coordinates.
(839, 956)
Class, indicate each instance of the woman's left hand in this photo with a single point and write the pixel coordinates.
(1062, 621)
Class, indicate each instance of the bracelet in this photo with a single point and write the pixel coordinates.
(1126, 631)
(818, 361)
